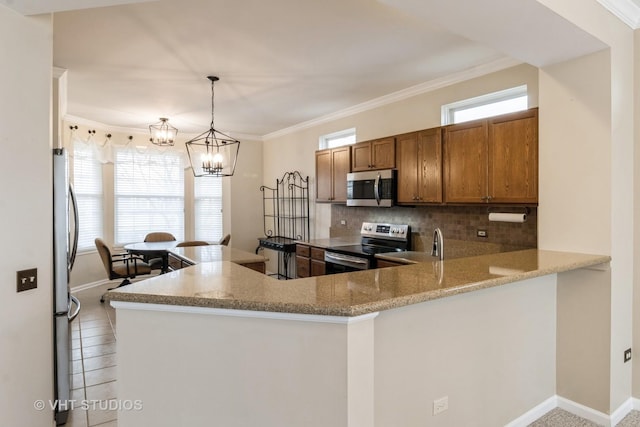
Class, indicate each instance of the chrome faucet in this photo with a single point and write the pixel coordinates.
(438, 244)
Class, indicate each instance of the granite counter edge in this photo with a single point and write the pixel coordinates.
(352, 310)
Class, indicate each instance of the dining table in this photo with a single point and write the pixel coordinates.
(151, 250)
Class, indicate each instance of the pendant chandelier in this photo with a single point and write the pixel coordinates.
(213, 153)
(162, 133)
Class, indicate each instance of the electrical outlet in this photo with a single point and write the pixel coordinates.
(26, 279)
(440, 405)
(481, 233)
(343, 222)
(627, 355)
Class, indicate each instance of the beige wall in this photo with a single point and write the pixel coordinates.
(242, 371)
(245, 198)
(575, 154)
(493, 364)
(618, 198)
(26, 358)
(584, 337)
(575, 109)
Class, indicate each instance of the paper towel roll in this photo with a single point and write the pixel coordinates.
(507, 217)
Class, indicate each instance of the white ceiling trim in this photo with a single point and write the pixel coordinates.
(626, 10)
(480, 70)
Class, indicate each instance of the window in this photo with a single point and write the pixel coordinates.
(87, 186)
(337, 139)
(208, 208)
(149, 194)
(492, 104)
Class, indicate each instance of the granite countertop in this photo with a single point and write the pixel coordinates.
(224, 284)
(200, 254)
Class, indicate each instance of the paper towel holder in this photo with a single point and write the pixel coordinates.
(525, 210)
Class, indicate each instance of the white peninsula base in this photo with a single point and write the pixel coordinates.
(491, 352)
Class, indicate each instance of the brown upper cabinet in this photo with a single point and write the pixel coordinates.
(419, 159)
(332, 167)
(493, 160)
(372, 155)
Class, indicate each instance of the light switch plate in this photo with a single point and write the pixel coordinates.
(27, 279)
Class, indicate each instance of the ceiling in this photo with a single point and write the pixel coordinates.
(280, 62)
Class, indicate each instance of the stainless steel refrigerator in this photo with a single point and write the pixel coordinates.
(65, 306)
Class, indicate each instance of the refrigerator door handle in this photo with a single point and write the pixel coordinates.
(74, 244)
(73, 300)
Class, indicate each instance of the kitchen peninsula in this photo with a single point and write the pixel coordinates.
(220, 344)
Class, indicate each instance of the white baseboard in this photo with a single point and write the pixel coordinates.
(535, 413)
(577, 409)
(89, 285)
(115, 282)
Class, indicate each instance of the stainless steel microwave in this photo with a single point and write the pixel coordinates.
(371, 188)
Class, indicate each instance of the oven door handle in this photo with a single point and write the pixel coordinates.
(376, 189)
(335, 257)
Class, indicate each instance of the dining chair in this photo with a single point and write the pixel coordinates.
(192, 243)
(120, 266)
(225, 240)
(157, 236)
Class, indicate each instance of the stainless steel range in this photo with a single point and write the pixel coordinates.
(375, 238)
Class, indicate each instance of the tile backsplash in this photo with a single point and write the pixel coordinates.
(456, 222)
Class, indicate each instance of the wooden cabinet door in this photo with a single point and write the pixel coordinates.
(465, 163)
(383, 153)
(303, 267)
(324, 181)
(513, 158)
(361, 157)
(341, 166)
(429, 165)
(318, 268)
(407, 174)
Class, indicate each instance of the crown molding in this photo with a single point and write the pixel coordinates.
(470, 73)
(626, 10)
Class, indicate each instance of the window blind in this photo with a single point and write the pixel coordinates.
(208, 209)
(87, 186)
(149, 194)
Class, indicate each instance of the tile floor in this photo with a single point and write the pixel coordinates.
(94, 362)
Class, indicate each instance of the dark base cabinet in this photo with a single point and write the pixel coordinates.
(309, 261)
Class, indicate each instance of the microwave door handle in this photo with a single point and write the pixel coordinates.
(376, 189)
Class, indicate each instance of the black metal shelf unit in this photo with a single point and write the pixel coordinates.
(286, 218)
